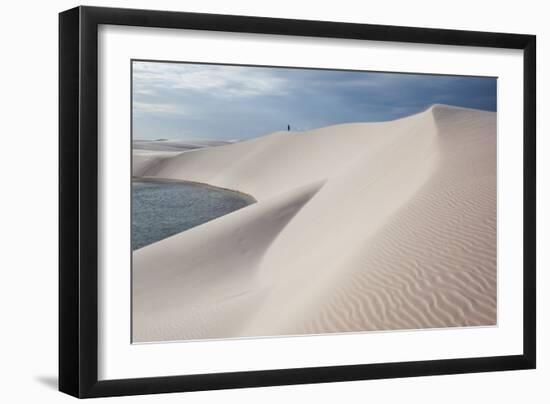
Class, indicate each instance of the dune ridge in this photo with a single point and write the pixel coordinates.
(358, 227)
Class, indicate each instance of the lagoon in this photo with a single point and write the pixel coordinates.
(161, 209)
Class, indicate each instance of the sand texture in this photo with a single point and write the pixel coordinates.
(357, 227)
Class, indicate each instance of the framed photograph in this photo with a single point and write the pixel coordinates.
(251, 201)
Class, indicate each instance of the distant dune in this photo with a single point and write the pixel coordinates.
(149, 152)
(358, 227)
(175, 145)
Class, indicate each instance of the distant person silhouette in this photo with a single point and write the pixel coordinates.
(289, 128)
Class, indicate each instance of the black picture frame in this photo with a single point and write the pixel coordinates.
(78, 201)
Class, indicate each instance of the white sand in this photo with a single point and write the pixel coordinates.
(358, 227)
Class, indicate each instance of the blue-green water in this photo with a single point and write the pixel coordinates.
(162, 209)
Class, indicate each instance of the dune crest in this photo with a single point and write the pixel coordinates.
(358, 227)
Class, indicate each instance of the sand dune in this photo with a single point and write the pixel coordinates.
(358, 227)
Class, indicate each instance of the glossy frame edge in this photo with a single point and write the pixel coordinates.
(78, 180)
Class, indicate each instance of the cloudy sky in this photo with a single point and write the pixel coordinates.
(197, 101)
